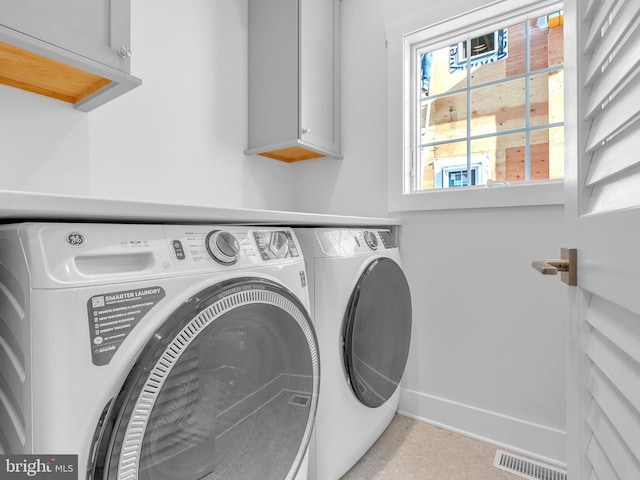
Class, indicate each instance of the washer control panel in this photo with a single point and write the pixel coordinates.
(352, 242)
(86, 253)
(230, 245)
(276, 244)
(223, 247)
(387, 239)
(370, 239)
(178, 250)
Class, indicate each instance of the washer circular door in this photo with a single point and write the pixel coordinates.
(225, 389)
(377, 332)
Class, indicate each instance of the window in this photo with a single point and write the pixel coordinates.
(483, 106)
(498, 95)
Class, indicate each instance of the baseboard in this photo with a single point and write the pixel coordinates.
(519, 436)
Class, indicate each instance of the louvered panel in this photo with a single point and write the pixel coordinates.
(614, 386)
(616, 195)
(588, 12)
(620, 113)
(604, 442)
(612, 109)
(617, 324)
(622, 414)
(599, 10)
(602, 468)
(621, 69)
(620, 154)
(612, 36)
(615, 449)
(621, 370)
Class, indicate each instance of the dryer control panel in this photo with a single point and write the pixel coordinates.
(352, 242)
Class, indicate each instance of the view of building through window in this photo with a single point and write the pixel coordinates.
(491, 107)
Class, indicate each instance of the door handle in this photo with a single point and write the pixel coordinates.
(567, 265)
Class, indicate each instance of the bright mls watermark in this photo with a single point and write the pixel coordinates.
(49, 467)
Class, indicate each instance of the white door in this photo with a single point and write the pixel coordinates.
(603, 196)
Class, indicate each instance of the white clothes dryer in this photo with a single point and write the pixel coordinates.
(361, 309)
(157, 351)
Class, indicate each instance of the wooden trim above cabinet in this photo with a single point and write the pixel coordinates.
(35, 73)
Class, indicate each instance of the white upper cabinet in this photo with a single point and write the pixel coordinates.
(294, 79)
(76, 51)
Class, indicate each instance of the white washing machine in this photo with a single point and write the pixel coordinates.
(361, 309)
(157, 351)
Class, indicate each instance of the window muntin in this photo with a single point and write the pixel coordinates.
(513, 86)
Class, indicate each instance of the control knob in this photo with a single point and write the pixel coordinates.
(223, 247)
(371, 240)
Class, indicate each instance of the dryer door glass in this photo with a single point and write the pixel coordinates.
(378, 332)
(227, 390)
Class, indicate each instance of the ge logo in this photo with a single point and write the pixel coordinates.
(75, 239)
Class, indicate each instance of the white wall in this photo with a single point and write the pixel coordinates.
(178, 138)
(487, 354)
(487, 351)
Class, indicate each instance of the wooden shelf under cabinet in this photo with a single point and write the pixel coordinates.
(75, 51)
(35, 73)
(292, 154)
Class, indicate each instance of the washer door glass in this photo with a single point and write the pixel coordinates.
(378, 332)
(227, 390)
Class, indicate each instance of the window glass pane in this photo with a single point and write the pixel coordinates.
(444, 118)
(505, 59)
(498, 107)
(436, 76)
(500, 157)
(547, 154)
(437, 161)
(546, 41)
(547, 98)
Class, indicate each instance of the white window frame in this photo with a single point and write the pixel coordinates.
(435, 26)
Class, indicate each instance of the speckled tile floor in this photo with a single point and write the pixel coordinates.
(413, 450)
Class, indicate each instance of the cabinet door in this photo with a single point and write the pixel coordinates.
(93, 29)
(320, 73)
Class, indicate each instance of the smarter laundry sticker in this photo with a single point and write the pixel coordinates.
(112, 317)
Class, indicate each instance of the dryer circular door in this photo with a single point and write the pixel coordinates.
(377, 332)
(225, 389)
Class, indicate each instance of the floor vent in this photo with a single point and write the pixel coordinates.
(299, 400)
(526, 468)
